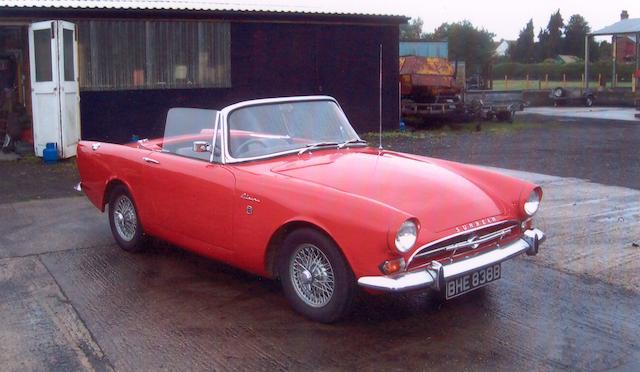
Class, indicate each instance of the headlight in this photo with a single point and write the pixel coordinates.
(532, 203)
(406, 236)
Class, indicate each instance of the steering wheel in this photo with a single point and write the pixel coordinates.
(245, 145)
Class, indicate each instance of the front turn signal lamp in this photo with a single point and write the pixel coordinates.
(392, 266)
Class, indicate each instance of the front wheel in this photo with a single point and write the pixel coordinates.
(316, 278)
(124, 221)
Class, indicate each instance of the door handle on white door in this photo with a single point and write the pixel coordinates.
(149, 160)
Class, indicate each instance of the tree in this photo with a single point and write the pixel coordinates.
(542, 50)
(523, 50)
(466, 43)
(554, 28)
(412, 30)
(605, 51)
(574, 33)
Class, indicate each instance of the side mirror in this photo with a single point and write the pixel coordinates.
(201, 146)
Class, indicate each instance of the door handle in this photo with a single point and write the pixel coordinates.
(149, 160)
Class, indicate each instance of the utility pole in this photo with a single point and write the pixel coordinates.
(586, 62)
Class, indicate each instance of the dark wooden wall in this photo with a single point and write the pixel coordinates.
(272, 55)
(268, 60)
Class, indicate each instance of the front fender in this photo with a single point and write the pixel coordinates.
(358, 225)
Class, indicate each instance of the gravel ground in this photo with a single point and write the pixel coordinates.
(603, 151)
(29, 179)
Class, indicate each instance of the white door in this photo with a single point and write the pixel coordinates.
(53, 53)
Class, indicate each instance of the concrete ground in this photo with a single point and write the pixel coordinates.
(29, 179)
(606, 113)
(603, 151)
(70, 299)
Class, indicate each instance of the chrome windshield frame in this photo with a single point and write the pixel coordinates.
(226, 157)
(213, 141)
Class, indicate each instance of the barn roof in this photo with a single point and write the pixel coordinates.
(625, 26)
(261, 6)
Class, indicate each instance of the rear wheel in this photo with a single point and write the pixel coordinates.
(505, 116)
(316, 278)
(588, 102)
(559, 92)
(124, 221)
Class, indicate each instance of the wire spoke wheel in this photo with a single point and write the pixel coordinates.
(124, 216)
(312, 275)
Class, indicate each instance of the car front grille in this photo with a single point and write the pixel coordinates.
(465, 242)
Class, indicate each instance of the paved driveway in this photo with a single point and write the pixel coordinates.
(70, 299)
(606, 113)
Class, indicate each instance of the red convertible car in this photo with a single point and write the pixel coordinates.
(285, 188)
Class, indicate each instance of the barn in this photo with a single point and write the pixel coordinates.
(110, 70)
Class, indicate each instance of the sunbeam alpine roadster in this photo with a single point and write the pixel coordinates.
(285, 188)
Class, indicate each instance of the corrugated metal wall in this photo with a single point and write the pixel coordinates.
(132, 54)
(269, 60)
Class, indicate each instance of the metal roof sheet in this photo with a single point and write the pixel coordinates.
(202, 5)
(626, 26)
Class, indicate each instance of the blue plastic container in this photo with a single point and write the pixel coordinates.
(50, 153)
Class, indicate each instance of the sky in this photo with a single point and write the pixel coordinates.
(503, 18)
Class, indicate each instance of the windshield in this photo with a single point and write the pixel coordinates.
(279, 127)
(184, 126)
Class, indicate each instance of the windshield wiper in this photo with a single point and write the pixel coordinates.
(350, 142)
(312, 146)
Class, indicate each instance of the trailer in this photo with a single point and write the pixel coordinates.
(563, 96)
(428, 87)
(489, 104)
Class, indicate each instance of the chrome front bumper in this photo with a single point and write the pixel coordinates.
(436, 274)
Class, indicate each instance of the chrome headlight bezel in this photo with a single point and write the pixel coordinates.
(406, 236)
(532, 204)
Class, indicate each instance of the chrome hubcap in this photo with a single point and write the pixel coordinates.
(306, 277)
(125, 218)
(312, 275)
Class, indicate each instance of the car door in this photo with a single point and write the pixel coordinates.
(191, 201)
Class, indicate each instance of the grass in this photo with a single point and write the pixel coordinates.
(541, 84)
(30, 158)
(453, 128)
(61, 165)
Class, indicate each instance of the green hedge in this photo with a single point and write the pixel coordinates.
(574, 71)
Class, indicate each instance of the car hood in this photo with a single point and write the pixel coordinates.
(440, 197)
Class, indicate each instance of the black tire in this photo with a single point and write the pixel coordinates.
(505, 116)
(588, 101)
(511, 116)
(331, 307)
(559, 92)
(129, 236)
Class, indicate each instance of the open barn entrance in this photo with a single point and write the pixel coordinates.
(39, 100)
(16, 126)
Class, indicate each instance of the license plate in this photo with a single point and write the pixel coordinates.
(470, 281)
